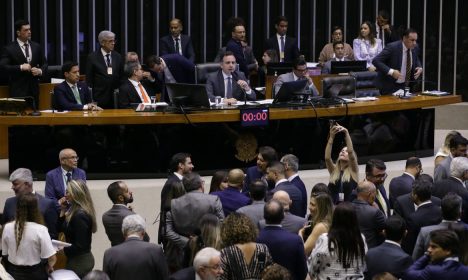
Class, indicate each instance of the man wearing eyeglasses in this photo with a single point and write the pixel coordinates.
(206, 266)
(299, 72)
(376, 173)
(57, 179)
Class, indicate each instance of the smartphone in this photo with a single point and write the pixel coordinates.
(332, 123)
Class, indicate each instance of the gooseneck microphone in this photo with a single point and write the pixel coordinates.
(35, 112)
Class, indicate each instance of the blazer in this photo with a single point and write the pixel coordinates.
(290, 222)
(103, 84)
(383, 192)
(128, 94)
(46, 207)
(390, 58)
(64, 99)
(442, 171)
(254, 211)
(112, 220)
(182, 69)
(291, 51)
(386, 257)
(399, 186)
(167, 46)
(404, 205)
(54, 185)
(291, 252)
(236, 48)
(184, 274)
(289, 77)
(23, 83)
(448, 269)
(297, 181)
(165, 205)
(231, 199)
(371, 222)
(215, 86)
(133, 258)
(295, 195)
(443, 187)
(251, 174)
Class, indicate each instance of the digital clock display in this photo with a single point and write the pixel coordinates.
(254, 116)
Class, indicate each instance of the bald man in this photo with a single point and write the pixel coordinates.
(232, 197)
(57, 179)
(177, 42)
(291, 222)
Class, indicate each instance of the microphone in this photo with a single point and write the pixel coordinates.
(35, 112)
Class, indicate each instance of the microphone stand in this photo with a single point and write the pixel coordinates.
(235, 77)
(35, 112)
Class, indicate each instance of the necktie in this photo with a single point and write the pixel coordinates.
(282, 48)
(382, 203)
(108, 60)
(76, 94)
(229, 88)
(26, 51)
(408, 67)
(177, 50)
(143, 94)
(69, 176)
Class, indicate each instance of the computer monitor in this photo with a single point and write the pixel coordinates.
(278, 68)
(338, 86)
(289, 90)
(338, 67)
(188, 95)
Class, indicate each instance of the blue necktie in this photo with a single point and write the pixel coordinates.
(229, 88)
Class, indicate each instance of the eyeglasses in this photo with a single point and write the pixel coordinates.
(73, 157)
(214, 267)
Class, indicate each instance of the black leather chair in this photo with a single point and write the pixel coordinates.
(203, 69)
(365, 83)
(54, 71)
(347, 85)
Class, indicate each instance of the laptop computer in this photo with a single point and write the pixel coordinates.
(289, 90)
(188, 95)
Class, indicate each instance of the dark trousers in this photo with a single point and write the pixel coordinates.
(26, 272)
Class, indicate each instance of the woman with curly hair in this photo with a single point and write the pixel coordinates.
(276, 272)
(78, 220)
(243, 258)
(26, 241)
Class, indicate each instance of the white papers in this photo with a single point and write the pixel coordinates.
(366, 98)
(59, 245)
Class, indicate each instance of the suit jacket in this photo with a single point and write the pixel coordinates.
(231, 199)
(236, 48)
(291, 252)
(251, 174)
(254, 211)
(215, 86)
(383, 192)
(291, 51)
(103, 84)
(390, 58)
(386, 257)
(442, 171)
(443, 187)
(297, 181)
(295, 195)
(186, 212)
(128, 94)
(182, 69)
(371, 222)
(112, 220)
(64, 99)
(54, 186)
(135, 257)
(167, 46)
(46, 207)
(426, 215)
(399, 186)
(165, 205)
(184, 274)
(448, 269)
(404, 205)
(290, 222)
(289, 77)
(326, 69)
(23, 83)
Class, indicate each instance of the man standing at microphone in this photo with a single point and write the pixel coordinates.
(228, 83)
(24, 61)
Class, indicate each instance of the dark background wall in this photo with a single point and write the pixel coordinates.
(67, 29)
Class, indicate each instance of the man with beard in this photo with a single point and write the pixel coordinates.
(266, 155)
(404, 184)
(112, 219)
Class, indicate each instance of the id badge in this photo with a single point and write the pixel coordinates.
(109, 70)
(341, 196)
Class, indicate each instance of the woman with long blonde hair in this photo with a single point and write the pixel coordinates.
(344, 174)
(78, 220)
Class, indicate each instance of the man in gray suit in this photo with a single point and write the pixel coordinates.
(187, 210)
(257, 193)
(338, 48)
(135, 258)
(458, 147)
(112, 219)
(299, 72)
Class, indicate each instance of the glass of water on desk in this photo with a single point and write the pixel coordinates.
(218, 101)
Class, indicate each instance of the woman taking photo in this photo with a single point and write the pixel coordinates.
(78, 220)
(26, 241)
(366, 46)
(321, 212)
(343, 173)
(339, 254)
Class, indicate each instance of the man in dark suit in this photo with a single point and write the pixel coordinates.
(285, 46)
(291, 167)
(57, 179)
(176, 42)
(286, 248)
(228, 83)
(458, 146)
(24, 61)
(426, 214)
(371, 220)
(171, 68)
(338, 48)
(398, 64)
(441, 260)
(112, 219)
(404, 184)
(206, 266)
(22, 183)
(104, 70)
(404, 205)
(132, 90)
(231, 197)
(385, 31)
(265, 156)
(234, 45)
(375, 173)
(276, 173)
(180, 165)
(135, 257)
(388, 256)
(72, 94)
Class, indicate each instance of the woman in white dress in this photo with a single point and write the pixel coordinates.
(366, 46)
